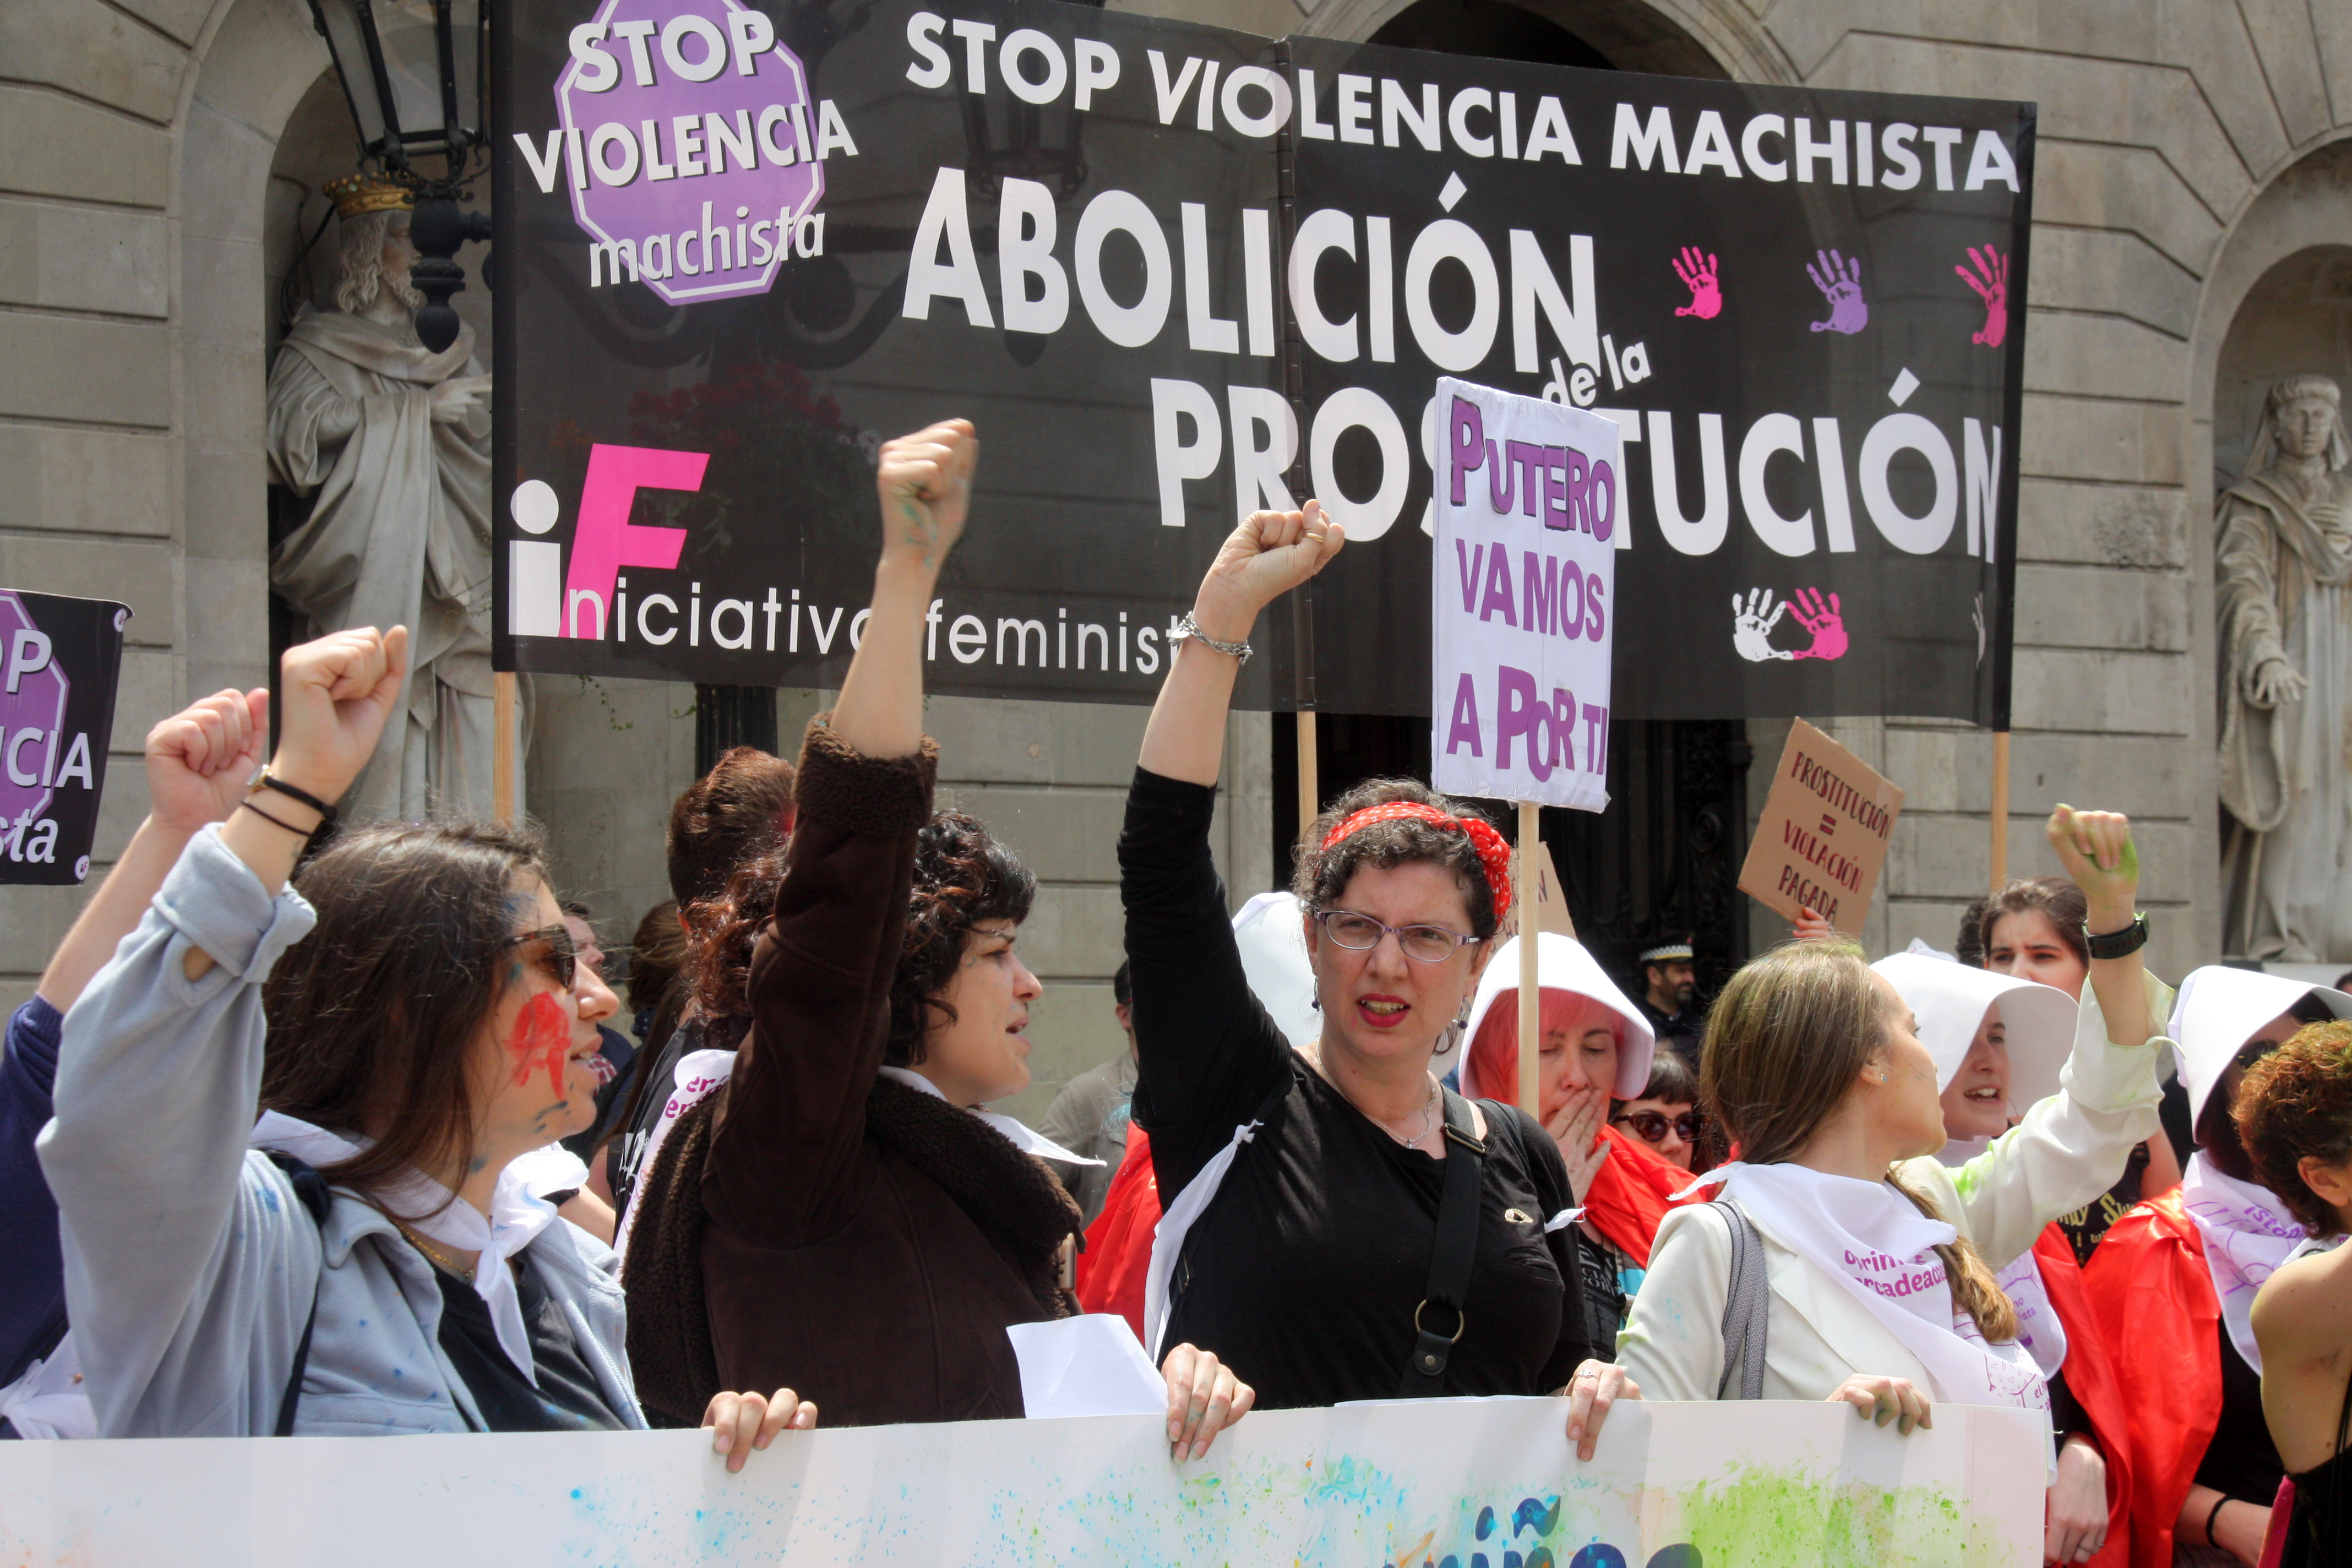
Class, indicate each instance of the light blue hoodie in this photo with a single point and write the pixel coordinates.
(190, 1263)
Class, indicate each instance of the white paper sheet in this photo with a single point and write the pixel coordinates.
(1090, 1365)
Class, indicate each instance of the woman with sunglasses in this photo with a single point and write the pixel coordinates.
(1310, 1233)
(2175, 1279)
(376, 1256)
(1665, 1114)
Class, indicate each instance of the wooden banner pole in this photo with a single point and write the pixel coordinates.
(503, 748)
(1311, 798)
(1530, 996)
(1999, 809)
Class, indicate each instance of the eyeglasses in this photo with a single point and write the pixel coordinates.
(562, 957)
(1652, 1124)
(1359, 933)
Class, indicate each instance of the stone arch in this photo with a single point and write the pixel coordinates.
(2286, 235)
(257, 60)
(1709, 38)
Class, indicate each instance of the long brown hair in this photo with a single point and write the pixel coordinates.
(371, 1016)
(1785, 1043)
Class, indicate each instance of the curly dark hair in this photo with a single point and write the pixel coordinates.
(2297, 1102)
(1322, 878)
(962, 876)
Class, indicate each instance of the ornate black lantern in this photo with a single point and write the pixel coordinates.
(413, 72)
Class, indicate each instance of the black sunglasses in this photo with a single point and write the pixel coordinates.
(562, 957)
(1652, 1124)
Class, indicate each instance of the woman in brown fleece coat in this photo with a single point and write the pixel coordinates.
(857, 1221)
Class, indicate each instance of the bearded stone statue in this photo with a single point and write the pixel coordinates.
(390, 447)
(2283, 611)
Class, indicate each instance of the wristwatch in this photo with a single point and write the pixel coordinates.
(2117, 943)
(263, 778)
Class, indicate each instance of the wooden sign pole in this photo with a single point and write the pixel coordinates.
(1530, 998)
(1310, 800)
(502, 747)
(1999, 809)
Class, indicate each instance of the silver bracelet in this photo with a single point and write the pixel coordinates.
(1189, 628)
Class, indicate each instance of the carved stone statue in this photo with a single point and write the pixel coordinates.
(391, 446)
(2283, 611)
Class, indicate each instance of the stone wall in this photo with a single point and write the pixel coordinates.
(2182, 159)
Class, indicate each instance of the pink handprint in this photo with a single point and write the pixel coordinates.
(1826, 621)
(1990, 281)
(1700, 274)
(1840, 280)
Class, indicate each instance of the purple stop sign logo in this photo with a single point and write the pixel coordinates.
(693, 149)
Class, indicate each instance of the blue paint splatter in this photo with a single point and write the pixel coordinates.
(1532, 1515)
(1486, 1522)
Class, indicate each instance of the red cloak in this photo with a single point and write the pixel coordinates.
(2150, 1302)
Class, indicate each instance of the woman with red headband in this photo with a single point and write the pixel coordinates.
(1337, 1221)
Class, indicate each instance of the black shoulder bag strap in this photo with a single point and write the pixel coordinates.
(1450, 1257)
(311, 1188)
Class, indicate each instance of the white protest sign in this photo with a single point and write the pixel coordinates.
(1741, 1483)
(1523, 596)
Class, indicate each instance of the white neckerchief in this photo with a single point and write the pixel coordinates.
(2038, 1328)
(2247, 1233)
(1028, 1140)
(49, 1400)
(518, 1212)
(1879, 1247)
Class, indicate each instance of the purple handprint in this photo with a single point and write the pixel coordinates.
(1840, 280)
(1990, 281)
(1701, 276)
(1825, 620)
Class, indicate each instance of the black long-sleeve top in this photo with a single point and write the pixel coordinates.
(1304, 1272)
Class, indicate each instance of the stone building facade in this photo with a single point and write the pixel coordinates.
(159, 161)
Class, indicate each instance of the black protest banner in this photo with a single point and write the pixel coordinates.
(1174, 272)
(58, 661)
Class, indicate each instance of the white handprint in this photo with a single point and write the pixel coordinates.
(1751, 625)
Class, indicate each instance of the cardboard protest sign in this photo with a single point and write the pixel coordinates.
(1822, 839)
(58, 661)
(1523, 604)
(1791, 1485)
(1547, 898)
(1176, 272)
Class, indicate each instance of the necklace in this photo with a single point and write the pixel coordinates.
(1314, 1055)
(435, 1255)
(1428, 1118)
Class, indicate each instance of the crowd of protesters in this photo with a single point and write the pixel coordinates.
(342, 1129)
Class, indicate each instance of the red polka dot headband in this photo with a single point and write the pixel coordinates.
(1493, 855)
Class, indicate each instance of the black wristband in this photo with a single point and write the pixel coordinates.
(268, 779)
(2119, 943)
(303, 834)
(2219, 1503)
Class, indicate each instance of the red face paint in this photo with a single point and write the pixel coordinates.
(541, 1034)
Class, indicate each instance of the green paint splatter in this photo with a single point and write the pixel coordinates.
(1767, 1520)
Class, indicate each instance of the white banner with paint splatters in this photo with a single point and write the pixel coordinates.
(1433, 1482)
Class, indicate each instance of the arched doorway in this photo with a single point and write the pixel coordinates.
(1663, 861)
(2277, 302)
(2296, 321)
